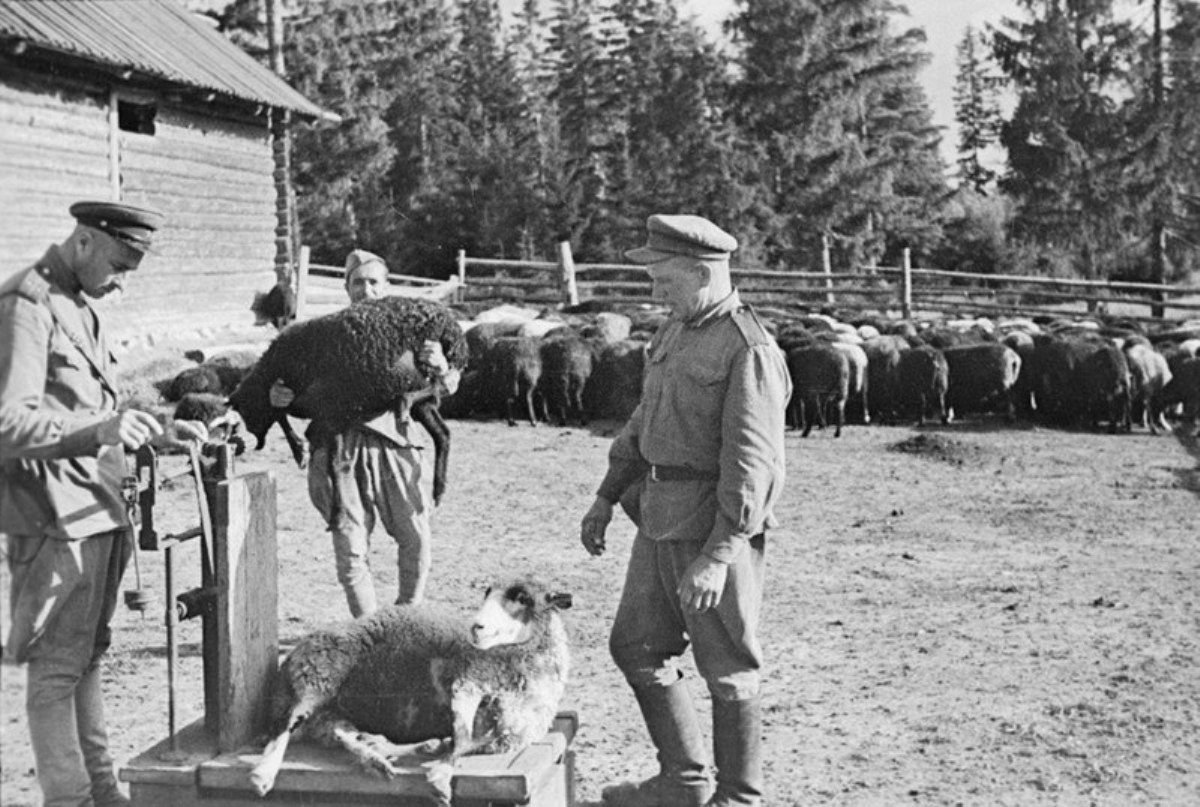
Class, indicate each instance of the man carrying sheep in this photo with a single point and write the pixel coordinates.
(62, 513)
(380, 468)
(704, 450)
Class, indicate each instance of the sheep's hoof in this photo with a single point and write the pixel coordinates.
(261, 782)
(439, 775)
(435, 747)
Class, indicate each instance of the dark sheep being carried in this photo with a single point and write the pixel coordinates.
(351, 366)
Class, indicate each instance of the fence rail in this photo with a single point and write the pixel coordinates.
(903, 291)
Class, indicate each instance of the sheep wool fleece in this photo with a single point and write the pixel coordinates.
(377, 467)
(64, 521)
(713, 401)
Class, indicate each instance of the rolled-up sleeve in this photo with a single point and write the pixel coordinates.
(752, 449)
(29, 430)
(625, 461)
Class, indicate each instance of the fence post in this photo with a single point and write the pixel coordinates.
(302, 282)
(461, 260)
(906, 285)
(566, 263)
(827, 267)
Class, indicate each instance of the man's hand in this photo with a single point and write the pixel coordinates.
(432, 356)
(131, 428)
(281, 395)
(595, 522)
(702, 584)
(188, 431)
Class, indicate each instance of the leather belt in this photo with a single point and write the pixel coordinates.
(680, 473)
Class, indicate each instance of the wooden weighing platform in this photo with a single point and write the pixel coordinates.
(208, 763)
(195, 775)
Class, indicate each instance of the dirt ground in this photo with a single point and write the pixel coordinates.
(978, 614)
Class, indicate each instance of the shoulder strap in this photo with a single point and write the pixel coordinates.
(751, 327)
(28, 284)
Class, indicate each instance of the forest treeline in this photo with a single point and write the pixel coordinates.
(802, 126)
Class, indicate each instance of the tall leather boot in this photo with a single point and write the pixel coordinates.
(737, 750)
(93, 739)
(683, 778)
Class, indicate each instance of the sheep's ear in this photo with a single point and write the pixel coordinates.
(560, 600)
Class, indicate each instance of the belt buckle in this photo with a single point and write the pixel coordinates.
(654, 473)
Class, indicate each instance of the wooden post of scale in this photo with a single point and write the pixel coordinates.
(247, 634)
(566, 265)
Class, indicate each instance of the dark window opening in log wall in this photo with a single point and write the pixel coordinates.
(137, 118)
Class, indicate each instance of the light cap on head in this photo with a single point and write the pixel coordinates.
(693, 236)
(132, 226)
(360, 257)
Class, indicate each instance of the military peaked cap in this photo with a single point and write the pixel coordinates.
(694, 236)
(132, 226)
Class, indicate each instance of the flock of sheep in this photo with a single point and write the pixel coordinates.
(1059, 373)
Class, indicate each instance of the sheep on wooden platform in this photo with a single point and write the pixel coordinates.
(420, 675)
(351, 366)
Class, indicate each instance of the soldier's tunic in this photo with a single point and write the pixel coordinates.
(713, 402)
(62, 514)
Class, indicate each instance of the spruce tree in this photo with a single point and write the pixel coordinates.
(976, 110)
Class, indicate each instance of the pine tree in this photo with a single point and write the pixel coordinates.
(976, 110)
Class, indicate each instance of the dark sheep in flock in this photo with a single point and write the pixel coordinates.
(219, 376)
(202, 406)
(820, 379)
(567, 362)
(922, 378)
(1184, 388)
(513, 368)
(1058, 391)
(981, 376)
(419, 674)
(616, 382)
(1105, 374)
(351, 366)
(277, 306)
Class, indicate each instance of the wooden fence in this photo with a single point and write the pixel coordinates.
(902, 291)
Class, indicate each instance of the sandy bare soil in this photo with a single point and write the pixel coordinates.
(975, 614)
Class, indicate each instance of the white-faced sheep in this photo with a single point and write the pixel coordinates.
(419, 674)
(351, 366)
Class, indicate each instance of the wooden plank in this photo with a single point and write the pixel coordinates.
(163, 765)
(247, 606)
(309, 769)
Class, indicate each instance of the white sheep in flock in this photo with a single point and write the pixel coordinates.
(418, 674)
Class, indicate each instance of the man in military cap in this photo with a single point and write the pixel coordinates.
(62, 444)
(704, 452)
